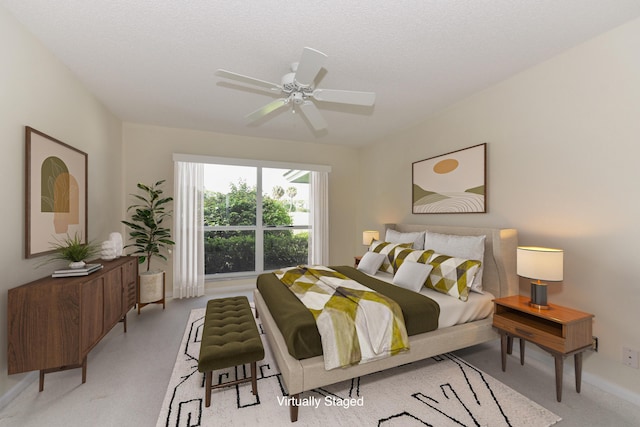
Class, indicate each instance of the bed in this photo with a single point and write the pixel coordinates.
(499, 280)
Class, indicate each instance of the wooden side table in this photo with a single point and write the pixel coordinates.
(559, 330)
(356, 261)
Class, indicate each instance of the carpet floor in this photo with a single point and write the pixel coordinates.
(439, 391)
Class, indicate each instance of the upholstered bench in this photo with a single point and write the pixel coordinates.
(229, 338)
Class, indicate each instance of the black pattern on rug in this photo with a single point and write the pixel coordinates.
(449, 392)
(461, 396)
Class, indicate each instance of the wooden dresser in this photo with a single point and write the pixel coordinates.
(53, 323)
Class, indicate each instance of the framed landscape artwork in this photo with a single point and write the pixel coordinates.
(56, 192)
(451, 183)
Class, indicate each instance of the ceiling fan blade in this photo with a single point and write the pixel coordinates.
(345, 96)
(309, 66)
(246, 79)
(267, 109)
(312, 114)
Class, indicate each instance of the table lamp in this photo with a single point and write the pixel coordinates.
(368, 236)
(539, 264)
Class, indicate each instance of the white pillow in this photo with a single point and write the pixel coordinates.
(469, 247)
(416, 238)
(412, 275)
(371, 262)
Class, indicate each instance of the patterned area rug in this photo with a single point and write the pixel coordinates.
(440, 391)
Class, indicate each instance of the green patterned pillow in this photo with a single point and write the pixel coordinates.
(387, 249)
(452, 276)
(401, 255)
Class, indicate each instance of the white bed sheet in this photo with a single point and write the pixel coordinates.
(452, 310)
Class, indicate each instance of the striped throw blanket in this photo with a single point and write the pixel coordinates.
(356, 324)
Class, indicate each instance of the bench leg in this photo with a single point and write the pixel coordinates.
(254, 381)
(207, 388)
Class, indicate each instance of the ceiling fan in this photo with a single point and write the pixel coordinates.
(297, 88)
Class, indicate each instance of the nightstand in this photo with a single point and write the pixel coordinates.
(356, 261)
(559, 330)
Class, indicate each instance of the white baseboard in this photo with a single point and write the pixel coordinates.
(221, 289)
(611, 388)
(14, 391)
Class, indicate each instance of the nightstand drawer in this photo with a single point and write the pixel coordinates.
(551, 338)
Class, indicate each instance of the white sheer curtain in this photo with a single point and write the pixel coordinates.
(188, 258)
(319, 201)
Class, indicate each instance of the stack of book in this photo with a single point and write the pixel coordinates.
(71, 272)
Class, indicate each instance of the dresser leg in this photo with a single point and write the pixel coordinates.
(559, 364)
(41, 380)
(521, 351)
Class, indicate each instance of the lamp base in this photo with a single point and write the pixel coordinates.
(539, 296)
(538, 306)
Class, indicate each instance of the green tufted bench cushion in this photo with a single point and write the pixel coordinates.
(229, 338)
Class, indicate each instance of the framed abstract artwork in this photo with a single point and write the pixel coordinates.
(451, 183)
(56, 192)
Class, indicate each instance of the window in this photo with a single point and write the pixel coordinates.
(241, 217)
(255, 218)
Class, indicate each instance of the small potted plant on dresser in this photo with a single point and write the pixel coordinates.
(150, 237)
(73, 250)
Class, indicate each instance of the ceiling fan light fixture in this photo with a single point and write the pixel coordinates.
(297, 97)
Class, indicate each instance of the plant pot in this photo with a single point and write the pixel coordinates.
(77, 264)
(151, 287)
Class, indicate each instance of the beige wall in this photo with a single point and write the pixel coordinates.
(148, 152)
(38, 91)
(563, 168)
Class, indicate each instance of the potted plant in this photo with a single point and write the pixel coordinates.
(72, 249)
(150, 237)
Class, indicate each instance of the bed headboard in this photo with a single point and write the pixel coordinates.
(500, 245)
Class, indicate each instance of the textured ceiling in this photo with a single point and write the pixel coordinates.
(153, 61)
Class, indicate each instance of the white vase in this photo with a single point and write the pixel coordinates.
(116, 238)
(108, 250)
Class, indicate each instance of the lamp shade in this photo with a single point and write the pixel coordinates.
(540, 263)
(369, 236)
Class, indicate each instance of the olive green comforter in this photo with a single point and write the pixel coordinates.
(298, 327)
